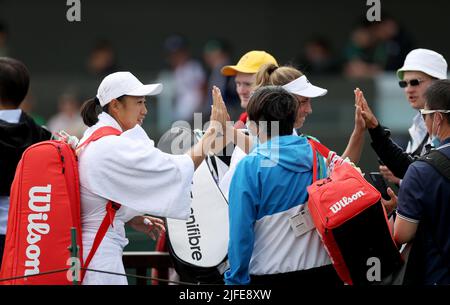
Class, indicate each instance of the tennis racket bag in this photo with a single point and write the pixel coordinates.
(352, 222)
(44, 206)
(199, 246)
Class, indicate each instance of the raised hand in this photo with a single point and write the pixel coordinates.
(360, 123)
(219, 111)
(369, 118)
(217, 124)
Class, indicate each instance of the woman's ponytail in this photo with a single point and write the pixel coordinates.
(263, 77)
(272, 75)
(90, 111)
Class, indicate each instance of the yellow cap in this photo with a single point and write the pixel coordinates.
(249, 63)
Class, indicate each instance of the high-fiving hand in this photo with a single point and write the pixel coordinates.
(367, 114)
(219, 114)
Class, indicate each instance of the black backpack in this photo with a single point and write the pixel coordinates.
(439, 161)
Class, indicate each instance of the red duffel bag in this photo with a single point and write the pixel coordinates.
(352, 222)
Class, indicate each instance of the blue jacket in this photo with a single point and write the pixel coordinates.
(268, 187)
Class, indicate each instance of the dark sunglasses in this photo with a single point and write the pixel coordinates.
(412, 82)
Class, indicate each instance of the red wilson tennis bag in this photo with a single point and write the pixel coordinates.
(352, 222)
(44, 206)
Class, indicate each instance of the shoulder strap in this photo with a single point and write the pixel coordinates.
(317, 147)
(100, 133)
(439, 161)
(419, 149)
(111, 207)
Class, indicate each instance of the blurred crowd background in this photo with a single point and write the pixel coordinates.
(184, 44)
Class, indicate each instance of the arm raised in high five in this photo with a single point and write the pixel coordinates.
(218, 119)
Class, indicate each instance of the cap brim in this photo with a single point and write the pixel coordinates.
(233, 70)
(402, 70)
(419, 68)
(146, 90)
(400, 73)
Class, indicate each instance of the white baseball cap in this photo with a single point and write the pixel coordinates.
(426, 61)
(302, 86)
(124, 83)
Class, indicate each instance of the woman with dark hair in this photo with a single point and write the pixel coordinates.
(129, 170)
(18, 131)
(268, 189)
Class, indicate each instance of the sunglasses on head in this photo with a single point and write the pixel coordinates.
(412, 83)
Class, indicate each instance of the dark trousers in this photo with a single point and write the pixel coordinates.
(2, 245)
(323, 276)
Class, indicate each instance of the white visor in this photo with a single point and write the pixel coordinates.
(301, 86)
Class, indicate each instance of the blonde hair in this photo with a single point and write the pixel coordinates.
(272, 75)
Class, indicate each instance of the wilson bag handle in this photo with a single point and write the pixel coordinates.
(322, 149)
